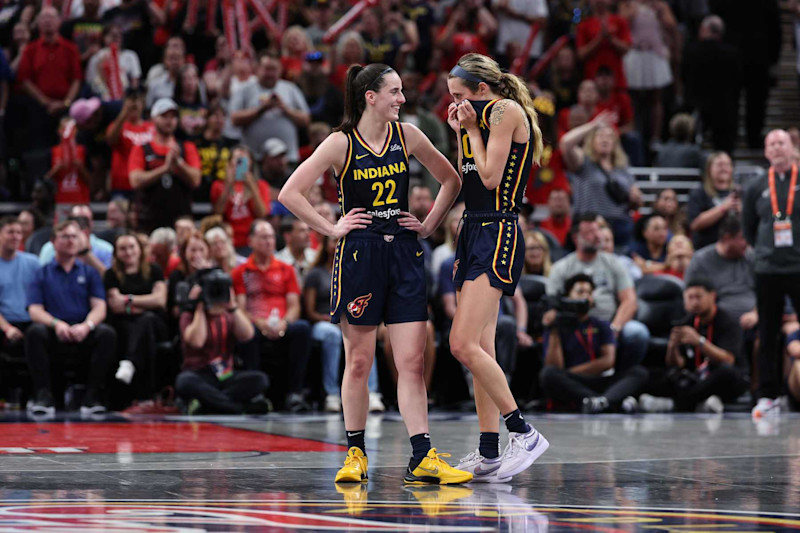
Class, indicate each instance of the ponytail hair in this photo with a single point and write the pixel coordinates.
(360, 80)
(474, 67)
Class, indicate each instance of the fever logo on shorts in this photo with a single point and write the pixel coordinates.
(357, 306)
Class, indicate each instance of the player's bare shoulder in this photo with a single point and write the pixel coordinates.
(508, 111)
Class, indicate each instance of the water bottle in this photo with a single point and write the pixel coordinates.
(274, 318)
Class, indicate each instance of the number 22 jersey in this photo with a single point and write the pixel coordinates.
(376, 181)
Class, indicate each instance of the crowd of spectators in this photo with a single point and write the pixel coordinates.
(153, 109)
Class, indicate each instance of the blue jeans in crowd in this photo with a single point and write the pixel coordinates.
(330, 337)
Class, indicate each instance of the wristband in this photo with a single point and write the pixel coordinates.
(702, 341)
(84, 251)
(54, 323)
(522, 328)
(91, 325)
(130, 299)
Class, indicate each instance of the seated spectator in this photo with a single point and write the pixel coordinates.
(190, 95)
(31, 220)
(163, 244)
(127, 130)
(559, 219)
(93, 251)
(389, 37)
(221, 250)
(100, 68)
(729, 263)
(298, 251)
(316, 299)
(184, 228)
(649, 251)
(17, 270)
(666, 205)
(242, 197)
(601, 182)
(537, 254)
(579, 356)
(66, 302)
(704, 362)
(208, 381)
(116, 220)
(163, 172)
(614, 296)
(275, 171)
(137, 298)
(607, 246)
(68, 169)
(679, 255)
(215, 152)
(793, 378)
(268, 290)
(709, 204)
(349, 51)
(86, 31)
(680, 150)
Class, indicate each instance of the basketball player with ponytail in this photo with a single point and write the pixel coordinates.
(378, 272)
(498, 141)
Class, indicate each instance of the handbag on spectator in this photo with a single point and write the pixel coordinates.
(617, 191)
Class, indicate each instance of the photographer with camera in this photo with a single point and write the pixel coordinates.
(242, 197)
(579, 353)
(614, 295)
(704, 363)
(211, 324)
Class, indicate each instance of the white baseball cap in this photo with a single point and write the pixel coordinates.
(163, 105)
(274, 147)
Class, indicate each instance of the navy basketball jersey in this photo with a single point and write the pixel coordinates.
(507, 197)
(377, 181)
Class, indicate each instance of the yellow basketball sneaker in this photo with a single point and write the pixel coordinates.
(355, 467)
(434, 470)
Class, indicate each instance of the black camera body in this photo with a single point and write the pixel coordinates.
(215, 284)
(569, 311)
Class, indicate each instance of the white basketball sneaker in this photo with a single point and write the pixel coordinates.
(520, 453)
(483, 470)
(766, 407)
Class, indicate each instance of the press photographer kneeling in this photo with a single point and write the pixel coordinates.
(580, 352)
(211, 324)
(704, 357)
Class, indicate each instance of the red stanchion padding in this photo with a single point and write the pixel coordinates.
(348, 19)
(244, 27)
(229, 23)
(547, 57)
(211, 16)
(262, 12)
(522, 59)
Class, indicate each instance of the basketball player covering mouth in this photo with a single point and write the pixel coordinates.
(378, 271)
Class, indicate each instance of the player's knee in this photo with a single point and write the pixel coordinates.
(460, 347)
(359, 366)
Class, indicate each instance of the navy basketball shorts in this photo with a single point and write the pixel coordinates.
(379, 278)
(490, 243)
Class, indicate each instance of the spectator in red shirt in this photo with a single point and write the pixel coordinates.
(163, 243)
(470, 28)
(559, 221)
(268, 291)
(612, 98)
(163, 172)
(127, 130)
(242, 197)
(603, 39)
(69, 175)
(588, 98)
(50, 73)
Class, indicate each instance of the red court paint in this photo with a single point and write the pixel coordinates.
(147, 437)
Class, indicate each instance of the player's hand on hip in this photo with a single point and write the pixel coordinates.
(357, 218)
(409, 221)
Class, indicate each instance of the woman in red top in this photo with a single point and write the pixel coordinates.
(242, 197)
(127, 130)
(69, 173)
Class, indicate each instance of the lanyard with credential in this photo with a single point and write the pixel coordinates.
(773, 196)
(587, 343)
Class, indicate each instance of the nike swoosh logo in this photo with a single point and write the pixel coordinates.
(353, 434)
(487, 223)
(419, 254)
(533, 445)
(435, 471)
(485, 472)
(362, 156)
